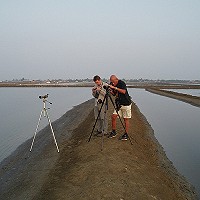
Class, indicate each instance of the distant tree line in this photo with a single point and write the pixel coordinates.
(140, 80)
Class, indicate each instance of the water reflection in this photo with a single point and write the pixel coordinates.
(176, 125)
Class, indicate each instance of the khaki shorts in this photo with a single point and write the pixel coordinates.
(124, 111)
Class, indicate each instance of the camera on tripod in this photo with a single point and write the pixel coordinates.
(44, 97)
(107, 86)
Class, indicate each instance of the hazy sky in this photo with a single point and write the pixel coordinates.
(155, 39)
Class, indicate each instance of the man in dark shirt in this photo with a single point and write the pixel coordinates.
(123, 104)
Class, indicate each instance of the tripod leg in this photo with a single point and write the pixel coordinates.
(102, 136)
(97, 119)
(36, 129)
(120, 119)
(104, 125)
(105, 122)
(52, 131)
(92, 130)
(117, 113)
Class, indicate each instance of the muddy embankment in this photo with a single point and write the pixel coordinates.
(82, 170)
(193, 100)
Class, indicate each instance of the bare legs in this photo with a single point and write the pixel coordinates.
(114, 119)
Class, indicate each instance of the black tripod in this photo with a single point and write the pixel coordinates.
(105, 101)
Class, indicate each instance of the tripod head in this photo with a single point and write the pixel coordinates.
(44, 98)
(108, 88)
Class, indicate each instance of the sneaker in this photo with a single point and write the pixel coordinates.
(124, 137)
(112, 134)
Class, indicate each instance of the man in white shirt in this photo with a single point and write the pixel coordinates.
(99, 92)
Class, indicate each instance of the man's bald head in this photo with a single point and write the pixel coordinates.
(114, 80)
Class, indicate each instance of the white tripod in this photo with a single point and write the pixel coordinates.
(44, 112)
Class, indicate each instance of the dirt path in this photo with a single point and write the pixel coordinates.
(121, 171)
